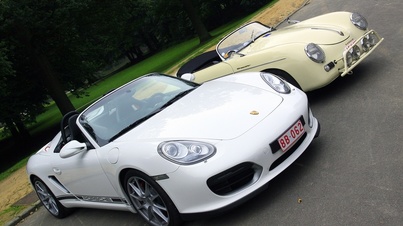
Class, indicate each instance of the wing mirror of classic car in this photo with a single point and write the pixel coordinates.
(188, 76)
(289, 21)
(72, 148)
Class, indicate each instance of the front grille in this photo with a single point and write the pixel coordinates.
(232, 179)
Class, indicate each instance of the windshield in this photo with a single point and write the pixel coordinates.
(132, 104)
(240, 38)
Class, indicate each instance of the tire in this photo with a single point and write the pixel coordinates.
(284, 75)
(150, 200)
(49, 200)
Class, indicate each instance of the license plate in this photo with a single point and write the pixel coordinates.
(288, 139)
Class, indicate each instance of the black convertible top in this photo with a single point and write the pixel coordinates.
(202, 61)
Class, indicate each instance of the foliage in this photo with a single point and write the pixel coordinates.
(51, 48)
(6, 69)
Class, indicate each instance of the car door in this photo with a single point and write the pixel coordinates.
(83, 175)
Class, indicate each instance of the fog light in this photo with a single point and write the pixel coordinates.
(349, 58)
(369, 41)
(355, 52)
(366, 44)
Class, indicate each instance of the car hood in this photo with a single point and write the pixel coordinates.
(215, 110)
(302, 33)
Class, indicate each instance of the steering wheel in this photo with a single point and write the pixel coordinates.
(156, 99)
(127, 110)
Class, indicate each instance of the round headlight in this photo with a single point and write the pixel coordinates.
(369, 41)
(356, 52)
(349, 58)
(359, 21)
(315, 53)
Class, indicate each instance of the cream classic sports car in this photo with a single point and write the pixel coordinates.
(308, 54)
(170, 149)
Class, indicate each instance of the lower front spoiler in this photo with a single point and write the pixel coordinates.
(217, 212)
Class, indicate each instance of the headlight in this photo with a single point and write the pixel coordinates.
(359, 21)
(349, 58)
(276, 83)
(315, 53)
(186, 152)
(353, 55)
(356, 52)
(369, 41)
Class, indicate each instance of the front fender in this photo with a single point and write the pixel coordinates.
(212, 72)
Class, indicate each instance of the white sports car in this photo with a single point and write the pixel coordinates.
(171, 149)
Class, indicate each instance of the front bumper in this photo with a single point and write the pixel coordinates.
(249, 155)
(364, 51)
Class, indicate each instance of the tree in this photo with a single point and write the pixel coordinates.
(30, 27)
(196, 21)
(52, 47)
(6, 69)
(59, 46)
(19, 96)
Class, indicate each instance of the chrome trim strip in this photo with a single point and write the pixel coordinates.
(328, 29)
(260, 65)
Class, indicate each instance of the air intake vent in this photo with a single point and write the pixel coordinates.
(234, 178)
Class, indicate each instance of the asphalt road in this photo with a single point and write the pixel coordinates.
(352, 174)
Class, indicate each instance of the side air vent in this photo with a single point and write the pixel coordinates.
(56, 183)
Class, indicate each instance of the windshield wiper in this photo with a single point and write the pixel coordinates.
(131, 126)
(139, 121)
(175, 98)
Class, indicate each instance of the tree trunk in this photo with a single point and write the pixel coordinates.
(11, 127)
(196, 21)
(47, 75)
(52, 83)
(22, 130)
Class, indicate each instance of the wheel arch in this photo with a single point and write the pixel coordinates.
(47, 197)
(175, 216)
(32, 177)
(122, 175)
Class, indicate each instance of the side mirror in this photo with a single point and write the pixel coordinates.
(72, 148)
(289, 21)
(188, 76)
